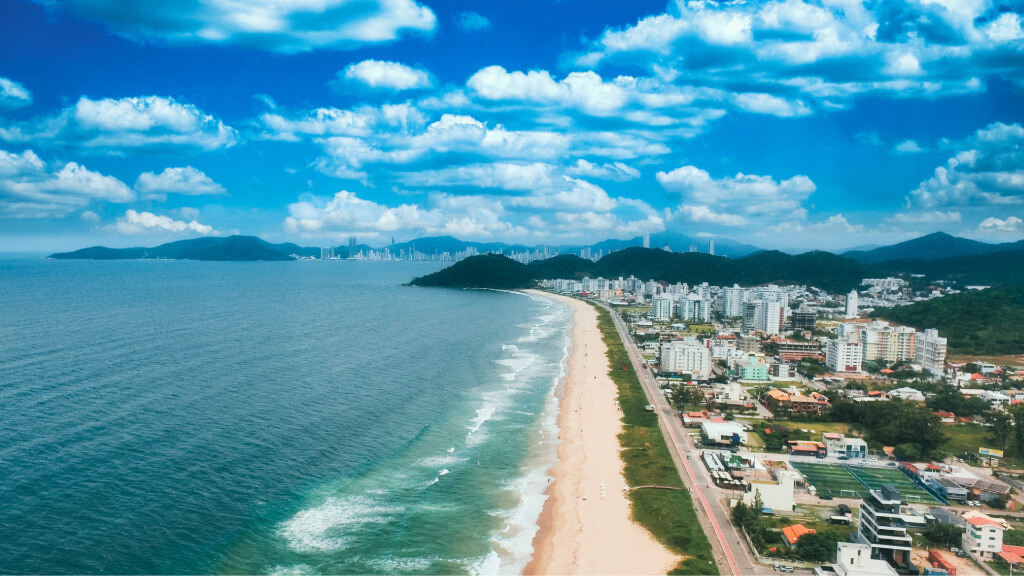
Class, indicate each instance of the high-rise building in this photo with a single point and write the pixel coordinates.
(766, 316)
(711, 247)
(844, 353)
(688, 356)
(930, 351)
(694, 307)
(803, 319)
(732, 301)
(352, 247)
(851, 304)
(883, 528)
(661, 309)
(647, 239)
(882, 341)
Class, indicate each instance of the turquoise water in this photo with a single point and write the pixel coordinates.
(298, 417)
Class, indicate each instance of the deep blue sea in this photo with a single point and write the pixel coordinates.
(176, 417)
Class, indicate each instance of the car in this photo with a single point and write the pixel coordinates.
(786, 568)
(844, 457)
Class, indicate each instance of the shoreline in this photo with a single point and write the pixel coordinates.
(586, 525)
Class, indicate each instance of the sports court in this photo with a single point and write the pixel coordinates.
(855, 481)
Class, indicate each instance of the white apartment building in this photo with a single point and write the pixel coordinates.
(661, 309)
(881, 526)
(844, 353)
(851, 304)
(983, 537)
(732, 301)
(694, 307)
(930, 351)
(688, 356)
(764, 315)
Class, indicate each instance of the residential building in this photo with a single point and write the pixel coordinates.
(754, 369)
(983, 538)
(840, 445)
(882, 341)
(844, 353)
(794, 351)
(907, 393)
(732, 301)
(767, 316)
(688, 356)
(930, 351)
(661, 309)
(797, 403)
(882, 527)
(694, 307)
(776, 494)
(851, 304)
(855, 560)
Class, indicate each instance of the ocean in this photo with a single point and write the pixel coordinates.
(177, 417)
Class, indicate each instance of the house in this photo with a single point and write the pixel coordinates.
(855, 560)
(776, 494)
(807, 448)
(907, 393)
(797, 403)
(945, 417)
(983, 537)
(723, 433)
(794, 532)
(840, 445)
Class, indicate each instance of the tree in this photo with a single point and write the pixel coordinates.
(1017, 413)
(818, 546)
(944, 534)
(741, 514)
(1001, 426)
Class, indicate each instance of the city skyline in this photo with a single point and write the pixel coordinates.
(786, 125)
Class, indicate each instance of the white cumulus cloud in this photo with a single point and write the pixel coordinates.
(288, 27)
(186, 180)
(383, 75)
(29, 188)
(134, 222)
(147, 122)
(726, 200)
(472, 22)
(13, 94)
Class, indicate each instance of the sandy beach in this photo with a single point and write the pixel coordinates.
(586, 525)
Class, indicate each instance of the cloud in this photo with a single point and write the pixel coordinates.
(725, 200)
(771, 105)
(347, 213)
(616, 171)
(987, 169)
(498, 175)
(148, 122)
(571, 194)
(471, 22)
(821, 53)
(133, 223)
(13, 94)
(382, 75)
(908, 147)
(1008, 225)
(932, 217)
(287, 27)
(187, 181)
(31, 189)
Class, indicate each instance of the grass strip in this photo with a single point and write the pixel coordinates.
(668, 514)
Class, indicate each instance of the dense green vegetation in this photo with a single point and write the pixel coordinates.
(483, 271)
(1004, 268)
(230, 248)
(668, 514)
(974, 322)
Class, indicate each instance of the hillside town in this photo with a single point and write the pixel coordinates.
(841, 442)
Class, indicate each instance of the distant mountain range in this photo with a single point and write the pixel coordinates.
(936, 257)
(931, 247)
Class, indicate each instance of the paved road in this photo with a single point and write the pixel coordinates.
(732, 556)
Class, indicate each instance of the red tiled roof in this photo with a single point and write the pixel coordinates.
(794, 532)
(981, 521)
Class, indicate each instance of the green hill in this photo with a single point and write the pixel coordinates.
(984, 322)
(1005, 268)
(230, 248)
(483, 271)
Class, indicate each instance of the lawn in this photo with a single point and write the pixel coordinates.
(836, 479)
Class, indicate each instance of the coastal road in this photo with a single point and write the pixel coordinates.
(732, 556)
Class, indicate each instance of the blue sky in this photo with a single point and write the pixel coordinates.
(788, 124)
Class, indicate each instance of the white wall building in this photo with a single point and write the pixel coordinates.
(775, 494)
(851, 304)
(983, 537)
(662, 309)
(930, 351)
(844, 353)
(855, 560)
(732, 301)
(688, 356)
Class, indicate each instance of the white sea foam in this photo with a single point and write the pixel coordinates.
(475, 436)
(443, 472)
(451, 449)
(296, 570)
(435, 461)
(489, 565)
(396, 565)
(329, 526)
